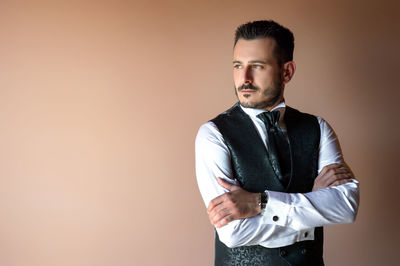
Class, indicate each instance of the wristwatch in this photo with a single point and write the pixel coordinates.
(263, 200)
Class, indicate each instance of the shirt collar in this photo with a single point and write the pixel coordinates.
(253, 112)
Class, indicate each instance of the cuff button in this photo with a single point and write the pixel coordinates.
(275, 218)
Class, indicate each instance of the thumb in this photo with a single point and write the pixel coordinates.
(226, 184)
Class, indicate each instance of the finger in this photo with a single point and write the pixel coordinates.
(327, 168)
(224, 221)
(340, 182)
(225, 184)
(332, 166)
(216, 217)
(216, 201)
(338, 177)
(217, 209)
(330, 178)
(341, 170)
(330, 172)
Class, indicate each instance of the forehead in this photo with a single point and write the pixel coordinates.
(259, 49)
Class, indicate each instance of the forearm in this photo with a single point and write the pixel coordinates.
(253, 231)
(250, 231)
(291, 217)
(328, 206)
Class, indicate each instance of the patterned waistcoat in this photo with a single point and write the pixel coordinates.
(251, 167)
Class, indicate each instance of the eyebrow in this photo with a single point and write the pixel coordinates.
(252, 61)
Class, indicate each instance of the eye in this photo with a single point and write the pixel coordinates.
(237, 66)
(258, 66)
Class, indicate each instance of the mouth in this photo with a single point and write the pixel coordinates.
(247, 91)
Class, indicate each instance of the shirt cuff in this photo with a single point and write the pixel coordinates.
(276, 210)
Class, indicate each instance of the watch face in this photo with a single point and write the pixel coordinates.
(264, 197)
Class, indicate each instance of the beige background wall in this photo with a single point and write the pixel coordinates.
(100, 102)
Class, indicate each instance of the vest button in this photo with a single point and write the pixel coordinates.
(303, 251)
(275, 218)
(283, 252)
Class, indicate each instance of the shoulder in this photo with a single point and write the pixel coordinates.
(228, 115)
(210, 145)
(206, 129)
(295, 114)
(292, 113)
(301, 123)
(323, 123)
(208, 132)
(327, 131)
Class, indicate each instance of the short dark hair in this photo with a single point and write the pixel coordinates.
(269, 29)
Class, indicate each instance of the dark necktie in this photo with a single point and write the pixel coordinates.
(278, 146)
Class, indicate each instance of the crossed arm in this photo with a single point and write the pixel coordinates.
(236, 214)
(238, 203)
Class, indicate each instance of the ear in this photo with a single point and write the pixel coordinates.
(288, 70)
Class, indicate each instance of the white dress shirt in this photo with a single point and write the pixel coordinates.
(288, 217)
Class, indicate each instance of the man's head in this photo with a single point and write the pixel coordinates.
(284, 40)
(262, 61)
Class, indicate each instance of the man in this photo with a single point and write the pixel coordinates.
(270, 175)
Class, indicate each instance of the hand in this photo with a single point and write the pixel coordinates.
(332, 175)
(233, 205)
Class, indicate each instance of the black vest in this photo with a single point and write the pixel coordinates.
(251, 167)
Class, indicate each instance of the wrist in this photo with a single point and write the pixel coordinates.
(262, 201)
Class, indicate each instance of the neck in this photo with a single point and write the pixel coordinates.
(269, 108)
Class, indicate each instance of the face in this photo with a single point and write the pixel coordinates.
(256, 74)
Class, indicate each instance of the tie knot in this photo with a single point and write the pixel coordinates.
(271, 118)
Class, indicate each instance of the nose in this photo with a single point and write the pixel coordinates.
(248, 75)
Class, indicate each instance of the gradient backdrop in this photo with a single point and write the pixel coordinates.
(100, 102)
